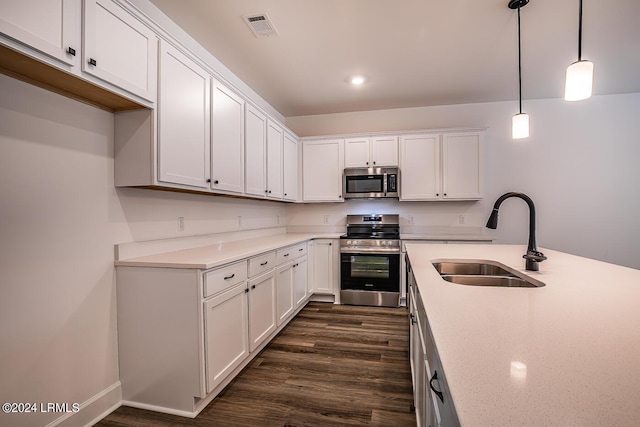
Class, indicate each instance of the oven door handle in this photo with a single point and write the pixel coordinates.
(370, 251)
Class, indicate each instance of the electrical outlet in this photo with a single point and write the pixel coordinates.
(180, 223)
(461, 219)
(326, 219)
(239, 221)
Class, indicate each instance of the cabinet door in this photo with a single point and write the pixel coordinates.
(356, 153)
(284, 295)
(322, 167)
(262, 308)
(226, 333)
(461, 172)
(255, 138)
(183, 120)
(420, 167)
(274, 160)
(300, 281)
(323, 282)
(417, 361)
(49, 26)
(119, 49)
(227, 140)
(290, 166)
(384, 151)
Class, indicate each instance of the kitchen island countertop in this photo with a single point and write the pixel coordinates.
(578, 339)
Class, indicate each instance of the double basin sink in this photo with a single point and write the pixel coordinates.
(484, 273)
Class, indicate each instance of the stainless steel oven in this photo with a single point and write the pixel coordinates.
(370, 261)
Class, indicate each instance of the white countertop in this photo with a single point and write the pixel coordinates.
(579, 337)
(446, 237)
(205, 257)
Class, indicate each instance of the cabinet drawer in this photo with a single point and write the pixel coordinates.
(290, 252)
(224, 277)
(262, 263)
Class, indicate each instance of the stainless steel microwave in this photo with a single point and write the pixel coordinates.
(371, 183)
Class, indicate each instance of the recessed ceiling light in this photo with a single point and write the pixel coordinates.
(357, 80)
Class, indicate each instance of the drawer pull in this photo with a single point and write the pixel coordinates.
(285, 255)
(71, 51)
(253, 286)
(412, 318)
(264, 263)
(246, 290)
(301, 249)
(92, 62)
(230, 277)
(438, 393)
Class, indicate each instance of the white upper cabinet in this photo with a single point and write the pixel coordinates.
(183, 120)
(48, 26)
(227, 140)
(384, 151)
(356, 152)
(322, 167)
(441, 166)
(119, 49)
(419, 167)
(461, 161)
(371, 152)
(255, 154)
(290, 167)
(275, 135)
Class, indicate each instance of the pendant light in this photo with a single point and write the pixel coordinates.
(519, 122)
(579, 78)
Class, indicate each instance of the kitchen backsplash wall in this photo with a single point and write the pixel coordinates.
(154, 215)
(415, 217)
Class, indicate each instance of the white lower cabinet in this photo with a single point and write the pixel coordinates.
(432, 400)
(226, 328)
(262, 308)
(324, 277)
(185, 333)
(284, 283)
(300, 281)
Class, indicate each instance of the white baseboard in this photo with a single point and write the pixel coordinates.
(93, 409)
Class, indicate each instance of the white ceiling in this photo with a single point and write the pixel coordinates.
(413, 52)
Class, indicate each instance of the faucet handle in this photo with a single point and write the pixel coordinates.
(534, 256)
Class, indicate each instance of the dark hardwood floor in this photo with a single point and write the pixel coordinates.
(333, 365)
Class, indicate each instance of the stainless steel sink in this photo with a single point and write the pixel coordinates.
(484, 273)
(470, 268)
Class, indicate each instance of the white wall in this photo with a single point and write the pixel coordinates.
(60, 217)
(579, 166)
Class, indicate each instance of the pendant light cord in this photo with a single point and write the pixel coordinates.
(520, 61)
(580, 33)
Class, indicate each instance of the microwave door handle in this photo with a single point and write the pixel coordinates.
(384, 184)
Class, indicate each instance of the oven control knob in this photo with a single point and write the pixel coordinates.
(349, 242)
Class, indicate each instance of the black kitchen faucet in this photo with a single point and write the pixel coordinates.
(533, 257)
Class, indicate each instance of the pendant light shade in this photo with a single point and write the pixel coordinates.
(519, 122)
(520, 126)
(579, 79)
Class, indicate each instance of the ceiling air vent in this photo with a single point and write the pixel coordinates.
(260, 25)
